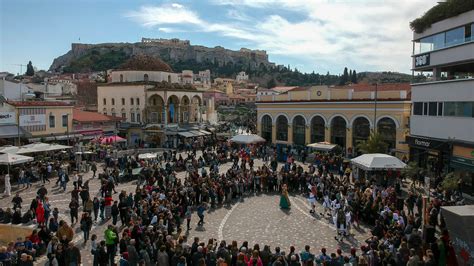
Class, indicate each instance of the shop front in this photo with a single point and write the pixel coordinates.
(428, 153)
(462, 165)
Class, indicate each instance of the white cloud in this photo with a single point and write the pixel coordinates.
(150, 16)
(326, 34)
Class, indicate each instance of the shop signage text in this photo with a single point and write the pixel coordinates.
(32, 120)
(422, 143)
(427, 143)
(422, 60)
(7, 118)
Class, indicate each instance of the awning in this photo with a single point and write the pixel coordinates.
(322, 146)
(205, 132)
(12, 131)
(197, 133)
(60, 137)
(186, 134)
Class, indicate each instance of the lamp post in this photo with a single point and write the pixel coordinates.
(375, 107)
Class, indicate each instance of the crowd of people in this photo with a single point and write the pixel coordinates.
(148, 226)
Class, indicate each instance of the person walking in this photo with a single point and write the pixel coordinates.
(115, 212)
(73, 255)
(200, 213)
(94, 169)
(73, 210)
(86, 225)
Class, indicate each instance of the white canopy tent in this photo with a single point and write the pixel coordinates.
(322, 146)
(247, 139)
(12, 159)
(147, 156)
(378, 161)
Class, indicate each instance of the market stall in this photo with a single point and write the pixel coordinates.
(376, 166)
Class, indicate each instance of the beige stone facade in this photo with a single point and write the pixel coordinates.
(343, 116)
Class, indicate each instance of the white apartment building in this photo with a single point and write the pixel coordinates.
(442, 122)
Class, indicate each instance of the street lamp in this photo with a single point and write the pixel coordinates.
(375, 107)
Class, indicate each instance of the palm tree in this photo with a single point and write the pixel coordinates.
(374, 144)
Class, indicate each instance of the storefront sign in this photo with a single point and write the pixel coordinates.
(7, 118)
(422, 60)
(32, 120)
(460, 162)
(428, 144)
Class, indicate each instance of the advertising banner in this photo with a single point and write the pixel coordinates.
(33, 120)
(7, 118)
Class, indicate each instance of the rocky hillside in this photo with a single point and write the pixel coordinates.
(98, 57)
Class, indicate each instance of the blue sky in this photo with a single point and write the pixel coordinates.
(319, 35)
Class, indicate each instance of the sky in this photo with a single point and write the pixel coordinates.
(311, 35)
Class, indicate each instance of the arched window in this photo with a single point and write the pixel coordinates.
(317, 129)
(104, 101)
(123, 101)
(113, 101)
(338, 131)
(299, 128)
(124, 114)
(131, 101)
(360, 131)
(387, 129)
(113, 112)
(121, 78)
(169, 78)
(282, 128)
(132, 115)
(104, 111)
(138, 101)
(266, 125)
(145, 77)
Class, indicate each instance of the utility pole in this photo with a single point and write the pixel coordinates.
(375, 108)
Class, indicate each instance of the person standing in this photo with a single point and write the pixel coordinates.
(284, 199)
(188, 217)
(86, 225)
(40, 217)
(17, 200)
(73, 255)
(115, 212)
(8, 186)
(110, 242)
(96, 206)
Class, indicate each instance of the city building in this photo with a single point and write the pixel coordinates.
(442, 122)
(217, 96)
(342, 115)
(10, 132)
(14, 90)
(151, 102)
(45, 120)
(93, 125)
(242, 77)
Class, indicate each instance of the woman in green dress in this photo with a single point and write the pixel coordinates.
(284, 200)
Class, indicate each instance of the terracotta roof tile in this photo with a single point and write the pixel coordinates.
(84, 116)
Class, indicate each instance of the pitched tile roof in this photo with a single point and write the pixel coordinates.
(84, 116)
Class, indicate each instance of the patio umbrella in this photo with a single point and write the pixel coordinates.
(378, 161)
(9, 149)
(247, 139)
(322, 146)
(12, 159)
(112, 139)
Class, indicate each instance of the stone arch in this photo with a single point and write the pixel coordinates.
(318, 126)
(299, 129)
(338, 124)
(397, 124)
(318, 114)
(264, 114)
(387, 128)
(279, 114)
(173, 109)
(351, 123)
(154, 110)
(266, 123)
(282, 123)
(329, 122)
(295, 115)
(360, 131)
(196, 103)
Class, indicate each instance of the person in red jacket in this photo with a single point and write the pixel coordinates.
(108, 206)
(40, 219)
